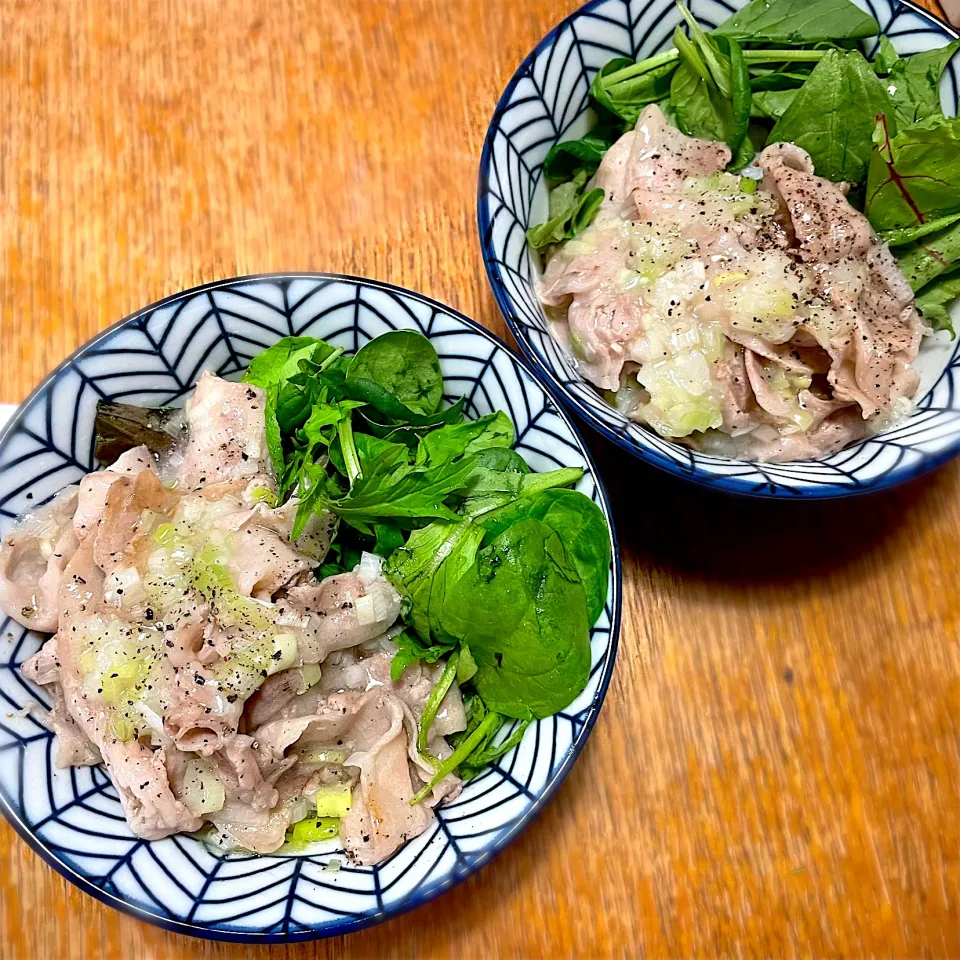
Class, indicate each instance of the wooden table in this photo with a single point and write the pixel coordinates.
(776, 769)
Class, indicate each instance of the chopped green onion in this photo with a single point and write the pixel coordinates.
(164, 533)
(334, 800)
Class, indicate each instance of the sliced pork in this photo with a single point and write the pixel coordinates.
(226, 433)
(200, 660)
(761, 321)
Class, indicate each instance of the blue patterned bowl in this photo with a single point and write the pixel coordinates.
(546, 101)
(72, 818)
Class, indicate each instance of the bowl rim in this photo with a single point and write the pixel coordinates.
(501, 842)
(691, 474)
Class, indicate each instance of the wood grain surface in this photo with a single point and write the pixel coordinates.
(776, 769)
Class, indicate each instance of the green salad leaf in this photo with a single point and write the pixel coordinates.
(914, 175)
(935, 299)
(567, 158)
(282, 360)
(405, 366)
(458, 440)
(930, 257)
(771, 104)
(622, 87)
(914, 82)
(832, 116)
(571, 211)
(524, 610)
(798, 22)
(580, 525)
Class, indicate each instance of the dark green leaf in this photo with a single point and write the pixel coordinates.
(798, 22)
(771, 104)
(930, 258)
(388, 538)
(571, 156)
(413, 569)
(499, 458)
(386, 491)
(404, 364)
(412, 651)
(282, 360)
(490, 751)
(576, 213)
(457, 440)
(522, 609)
(914, 84)
(886, 56)
(832, 116)
(580, 525)
(901, 236)
(622, 87)
(914, 176)
(935, 300)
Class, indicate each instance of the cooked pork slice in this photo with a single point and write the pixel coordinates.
(661, 157)
(140, 776)
(381, 818)
(120, 522)
(32, 559)
(95, 487)
(200, 718)
(226, 439)
(317, 535)
(261, 562)
(826, 227)
(264, 830)
(72, 746)
(341, 611)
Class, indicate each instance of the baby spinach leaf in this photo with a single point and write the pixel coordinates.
(489, 751)
(832, 116)
(407, 427)
(700, 109)
(412, 651)
(315, 382)
(886, 56)
(466, 665)
(914, 83)
(458, 440)
(623, 87)
(582, 528)
(710, 91)
(403, 364)
(914, 175)
(900, 236)
(771, 104)
(502, 459)
(569, 157)
(784, 76)
(483, 480)
(521, 607)
(798, 22)
(413, 570)
(387, 538)
(282, 360)
(386, 404)
(935, 299)
(571, 212)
